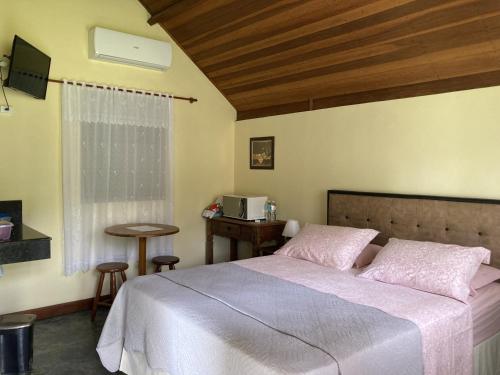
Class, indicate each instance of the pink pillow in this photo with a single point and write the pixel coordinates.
(485, 275)
(367, 255)
(429, 266)
(330, 246)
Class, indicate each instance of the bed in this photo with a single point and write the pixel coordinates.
(267, 315)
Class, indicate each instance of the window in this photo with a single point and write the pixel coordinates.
(117, 157)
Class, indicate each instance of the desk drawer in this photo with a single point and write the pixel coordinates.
(270, 233)
(227, 229)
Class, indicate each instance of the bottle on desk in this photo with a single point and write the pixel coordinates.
(270, 210)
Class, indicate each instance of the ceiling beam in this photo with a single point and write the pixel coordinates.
(172, 8)
(420, 89)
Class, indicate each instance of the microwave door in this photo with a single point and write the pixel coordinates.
(243, 208)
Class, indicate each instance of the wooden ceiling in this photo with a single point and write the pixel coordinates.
(272, 57)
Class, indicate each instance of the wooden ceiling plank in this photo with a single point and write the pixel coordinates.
(261, 43)
(370, 80)
(185, 11)
(297, 15)
(354, 55)
(458, 64)
(359, 57)
(445, 39)
(491, 28)
(382, 80)
(347, 35)
(228, 19)
(412, 71)
(484, 79)
(171, 9)
(270, 10)
(379, 27)
(404, 77)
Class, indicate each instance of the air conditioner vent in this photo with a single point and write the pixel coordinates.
(129, 49)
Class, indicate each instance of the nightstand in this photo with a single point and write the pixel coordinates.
(240, 230)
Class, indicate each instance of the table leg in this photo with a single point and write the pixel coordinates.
(142, 256)
(112, 286)
(209, 244)
(233, 250)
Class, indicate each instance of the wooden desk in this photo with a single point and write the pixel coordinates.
(256, 233)
(123, 231)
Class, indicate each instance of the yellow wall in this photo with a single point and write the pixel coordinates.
(30, 151)
(443, 144)
(446, 144)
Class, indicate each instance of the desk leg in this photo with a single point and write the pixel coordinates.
(209, 244)
(233, 250)
(255, 250)
(256, 244)
(142, 256)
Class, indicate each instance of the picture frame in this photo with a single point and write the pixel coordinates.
(262, 153)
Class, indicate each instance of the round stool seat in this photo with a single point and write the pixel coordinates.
(112, 267)
(165, 260)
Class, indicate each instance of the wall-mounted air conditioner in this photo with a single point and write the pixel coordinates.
(105, 44)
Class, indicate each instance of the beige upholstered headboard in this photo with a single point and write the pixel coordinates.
(462, 221)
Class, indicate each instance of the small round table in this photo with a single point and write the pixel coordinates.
(123, 230)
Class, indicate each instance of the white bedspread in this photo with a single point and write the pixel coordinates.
(445, 323)
(144, 309)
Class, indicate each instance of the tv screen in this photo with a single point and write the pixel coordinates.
(29, 69)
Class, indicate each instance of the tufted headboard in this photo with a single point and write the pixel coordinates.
(462, 221)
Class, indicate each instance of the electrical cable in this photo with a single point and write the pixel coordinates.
(3, 90)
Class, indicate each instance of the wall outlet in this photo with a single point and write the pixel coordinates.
(6, 110)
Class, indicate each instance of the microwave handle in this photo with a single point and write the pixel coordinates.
(243, 208)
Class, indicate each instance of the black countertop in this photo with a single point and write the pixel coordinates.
(25, 244)
(25, 233)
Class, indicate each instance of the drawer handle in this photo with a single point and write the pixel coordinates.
(228, 229)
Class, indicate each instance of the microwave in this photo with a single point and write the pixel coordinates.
(244, 207)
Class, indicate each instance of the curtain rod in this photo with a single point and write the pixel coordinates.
(190, 99)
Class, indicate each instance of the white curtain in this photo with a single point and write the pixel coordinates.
(117, 169)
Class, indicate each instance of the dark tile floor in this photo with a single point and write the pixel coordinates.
(66, 345)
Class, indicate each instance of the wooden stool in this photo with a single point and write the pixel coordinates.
(166, 260)
(110, 268)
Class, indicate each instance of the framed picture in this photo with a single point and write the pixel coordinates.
(262, 153)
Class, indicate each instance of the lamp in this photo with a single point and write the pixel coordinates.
(292, 227)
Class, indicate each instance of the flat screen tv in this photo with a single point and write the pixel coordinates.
(29, 69)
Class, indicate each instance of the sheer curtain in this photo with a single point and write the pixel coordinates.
(117, 169)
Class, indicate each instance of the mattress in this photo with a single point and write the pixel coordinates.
(486, 313)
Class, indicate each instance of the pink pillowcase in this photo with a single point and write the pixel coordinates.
(485, 275)
(428, 266)
(330, 246)
(367, 255)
